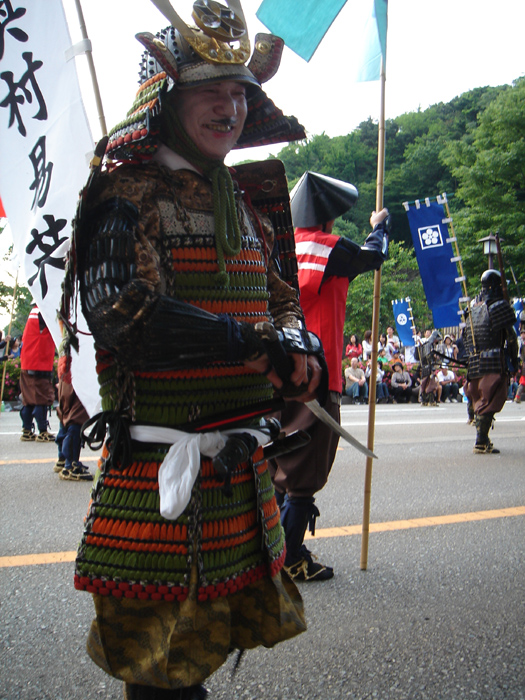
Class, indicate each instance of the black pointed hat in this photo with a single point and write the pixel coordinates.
(318, 198)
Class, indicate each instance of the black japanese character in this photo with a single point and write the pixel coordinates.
(42, 173)
(7, 14)
(54, 228)
(13, 100)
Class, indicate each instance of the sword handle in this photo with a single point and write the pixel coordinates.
(281, 361)
(286, 444)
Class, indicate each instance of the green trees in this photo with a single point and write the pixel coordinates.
(489, 165)
(472, 148)
(400, 278)
(22, 305)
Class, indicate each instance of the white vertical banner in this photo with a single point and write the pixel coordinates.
(45, 147)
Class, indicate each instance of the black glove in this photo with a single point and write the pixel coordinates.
(280, 344)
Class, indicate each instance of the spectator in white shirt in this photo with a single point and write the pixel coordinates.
(449, 385)
(367, 345)
(449, 348)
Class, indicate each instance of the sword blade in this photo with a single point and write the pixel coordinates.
(327, 419)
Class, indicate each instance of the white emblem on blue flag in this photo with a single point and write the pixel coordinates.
(401, 320)
(430, 237)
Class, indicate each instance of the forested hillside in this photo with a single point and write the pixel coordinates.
(472, 148)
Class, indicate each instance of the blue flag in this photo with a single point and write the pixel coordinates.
(436, 261)
(403, 319)
(517, 305)
(302, 25)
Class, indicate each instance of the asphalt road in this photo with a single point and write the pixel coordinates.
(437, 615)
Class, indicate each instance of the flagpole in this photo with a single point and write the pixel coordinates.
(462, 275)
(9, 333)
(375, 331)
(92, 71)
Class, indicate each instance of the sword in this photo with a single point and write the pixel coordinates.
(319, 412)
(283, 366)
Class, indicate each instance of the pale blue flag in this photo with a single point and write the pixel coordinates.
(302, 24)
(374, 40)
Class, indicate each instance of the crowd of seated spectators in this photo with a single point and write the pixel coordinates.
(398, 376)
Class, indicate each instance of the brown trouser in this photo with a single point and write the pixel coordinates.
(305, 471)
(488, 393)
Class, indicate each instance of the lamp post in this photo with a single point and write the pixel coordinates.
(490, 248)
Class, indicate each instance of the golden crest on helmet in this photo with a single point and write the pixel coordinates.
(221, 35)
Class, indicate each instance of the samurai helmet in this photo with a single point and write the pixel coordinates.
(214, 50)
(491, 285)
(318, 198)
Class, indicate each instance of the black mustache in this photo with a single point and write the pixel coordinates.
(225, 122)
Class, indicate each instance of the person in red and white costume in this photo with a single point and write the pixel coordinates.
(327, 264)
(36, 378)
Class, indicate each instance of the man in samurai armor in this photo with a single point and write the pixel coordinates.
(327, 264)
(37, 385)
(492, 348)
(183, 548)
(428, 359)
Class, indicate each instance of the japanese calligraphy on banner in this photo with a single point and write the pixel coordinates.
(45, 146)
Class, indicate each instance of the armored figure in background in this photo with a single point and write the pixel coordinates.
(428, 362)
(492, 347)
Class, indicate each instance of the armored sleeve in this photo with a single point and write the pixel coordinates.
(501, 315)
(122, 299)
(348, 259)
(284, 305)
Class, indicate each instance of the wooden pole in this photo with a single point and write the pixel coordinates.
(92, 71)
(502, 270)
(375, 333)
(9, 333)
(466, 296)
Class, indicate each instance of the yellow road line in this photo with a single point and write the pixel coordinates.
(61, 557)
(33, 559)
(420, 522)
(45, 460)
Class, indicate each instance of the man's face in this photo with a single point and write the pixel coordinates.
(353, 362)
(213, 116)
